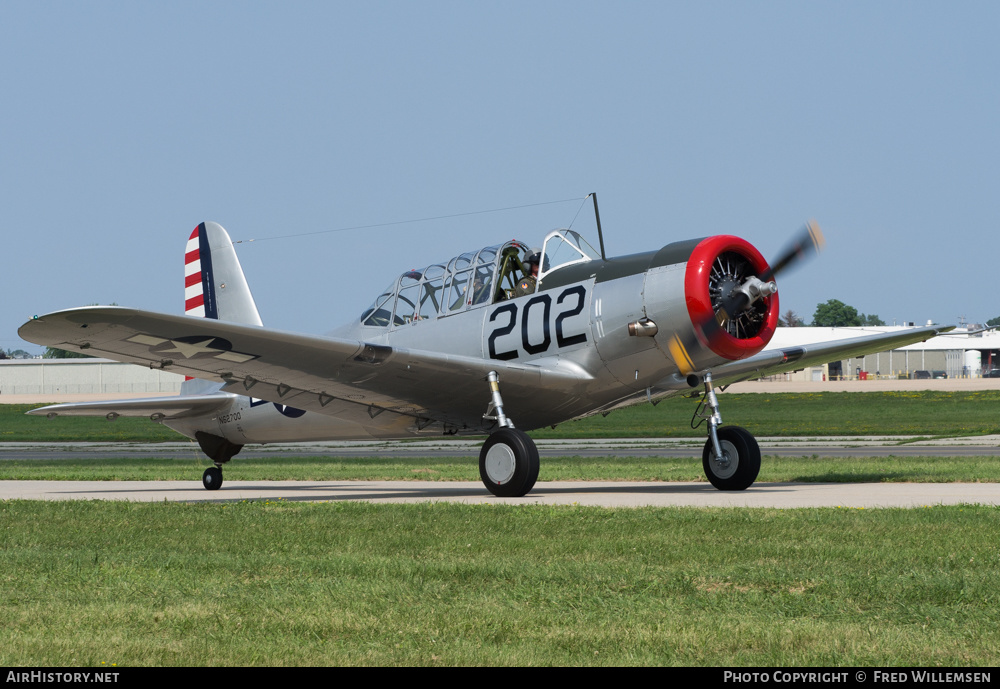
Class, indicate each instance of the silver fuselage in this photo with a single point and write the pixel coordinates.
(577, 320)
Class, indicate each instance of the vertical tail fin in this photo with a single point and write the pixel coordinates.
(214, 284)
(214, 287)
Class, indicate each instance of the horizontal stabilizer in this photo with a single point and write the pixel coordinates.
(153, 407)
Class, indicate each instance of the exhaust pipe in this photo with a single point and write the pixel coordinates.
(642, 328)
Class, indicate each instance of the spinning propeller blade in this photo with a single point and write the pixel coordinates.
(807, 243)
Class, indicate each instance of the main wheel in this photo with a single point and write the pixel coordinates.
(740, 459)
(212, 478)
(508, 463)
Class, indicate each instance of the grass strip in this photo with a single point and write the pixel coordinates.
(282, 584)
(930, 413)
(773, 468)
(15, 426)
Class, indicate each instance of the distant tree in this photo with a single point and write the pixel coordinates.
(16, 354)
(835, 313)
(790, 319)
(993, 321)
(871, 319)
(56, 353)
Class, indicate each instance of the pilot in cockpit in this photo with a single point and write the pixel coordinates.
(529, 282)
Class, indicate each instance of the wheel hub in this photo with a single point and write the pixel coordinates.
(500, 464)
(730, 460)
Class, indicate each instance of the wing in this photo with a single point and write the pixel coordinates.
(795, 357)
(336, 377)
(153, 407)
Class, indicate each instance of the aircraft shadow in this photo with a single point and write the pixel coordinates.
(868, 477)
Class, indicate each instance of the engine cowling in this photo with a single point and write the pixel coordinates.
(717, 266)
(687, 295)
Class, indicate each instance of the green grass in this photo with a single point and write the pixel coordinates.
(781, 414)
(276, 583)
(796, 414)
(15, 426)
(348, 583)
(846, 469)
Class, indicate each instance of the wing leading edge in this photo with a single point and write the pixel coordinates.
(331, 376)
(795, 357)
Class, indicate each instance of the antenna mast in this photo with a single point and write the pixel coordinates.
(597, 215)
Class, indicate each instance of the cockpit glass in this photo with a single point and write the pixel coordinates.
(482, 281)
(407, 306)
(430, 299)
(379, 313)
(463, 282)
(411, 277)
(487, 255)
(460, 262)
(457, 288)
(582, 244)
(434, 272)
(565, 247)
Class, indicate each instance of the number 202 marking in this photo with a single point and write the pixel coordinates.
(545, 302)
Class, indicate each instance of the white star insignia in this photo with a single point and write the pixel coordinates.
(190, 349)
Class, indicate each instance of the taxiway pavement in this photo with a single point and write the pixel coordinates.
(598, 493)
(591, 493)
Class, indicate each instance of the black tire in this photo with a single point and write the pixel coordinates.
(742, 456)
(212, 478)
(508, 463)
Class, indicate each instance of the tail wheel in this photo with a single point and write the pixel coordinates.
(212, 478)
(508, 463)
(740, 459)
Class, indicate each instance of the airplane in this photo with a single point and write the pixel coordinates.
(428, 356)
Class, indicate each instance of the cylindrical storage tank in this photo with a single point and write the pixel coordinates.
(973, 362)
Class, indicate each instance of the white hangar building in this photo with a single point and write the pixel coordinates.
(962, 353)
(82, 376)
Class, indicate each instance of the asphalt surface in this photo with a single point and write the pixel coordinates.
(826, 446)
(599, 493)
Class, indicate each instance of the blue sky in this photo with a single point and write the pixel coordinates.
(124, 124)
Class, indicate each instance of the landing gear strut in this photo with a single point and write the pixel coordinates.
(220, 451)
(731, 457)
(508, 461)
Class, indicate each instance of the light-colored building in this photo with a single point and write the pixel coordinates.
(82, 376)
(962, 353)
